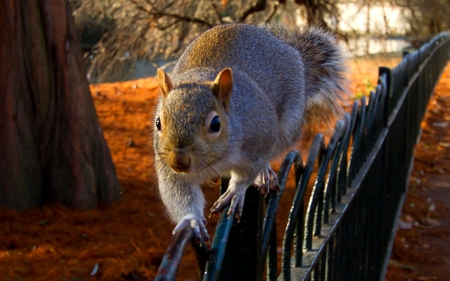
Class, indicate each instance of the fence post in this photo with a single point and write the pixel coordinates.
(243, 251)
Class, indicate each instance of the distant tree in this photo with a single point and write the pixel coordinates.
(51, 144)
(426, 17)
(161, 28)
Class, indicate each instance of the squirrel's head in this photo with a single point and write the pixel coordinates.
(192, 123)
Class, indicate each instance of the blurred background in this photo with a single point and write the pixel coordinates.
(129, 39)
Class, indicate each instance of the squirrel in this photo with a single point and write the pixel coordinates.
(236, 98)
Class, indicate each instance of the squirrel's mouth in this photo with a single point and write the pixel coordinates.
(183, 161)
(180, 169)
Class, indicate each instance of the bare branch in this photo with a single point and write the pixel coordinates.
(260, 5)
(274, 11)
(139, 7)
(163, 28)
(216, 11)
(181, 18)
(159, 14)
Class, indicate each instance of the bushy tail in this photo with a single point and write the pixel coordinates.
(324, 70)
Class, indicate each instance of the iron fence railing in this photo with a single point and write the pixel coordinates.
(350, 220)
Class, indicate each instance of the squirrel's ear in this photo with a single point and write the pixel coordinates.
(165, 86)
(223, 86)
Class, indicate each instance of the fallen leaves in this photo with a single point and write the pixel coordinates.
(424, 227)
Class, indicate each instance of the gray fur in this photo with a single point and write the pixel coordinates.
(273, 85)
(324, 78)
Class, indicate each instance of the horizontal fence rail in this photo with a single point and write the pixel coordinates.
(361, 178)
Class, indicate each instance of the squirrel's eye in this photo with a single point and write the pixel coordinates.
(158, 124)
(215, 124)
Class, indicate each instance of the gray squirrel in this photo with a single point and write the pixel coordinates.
(236, 98)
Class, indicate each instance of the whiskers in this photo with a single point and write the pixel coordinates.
(137, 167)
(207, 170)
(217, 167)
(208, 161)
(142, 157)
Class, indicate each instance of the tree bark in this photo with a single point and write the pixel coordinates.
(51, 144)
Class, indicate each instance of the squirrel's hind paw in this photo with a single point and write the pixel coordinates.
(198, 225)
(266, 179)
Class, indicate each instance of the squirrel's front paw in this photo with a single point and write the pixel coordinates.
(236, 200)
(198, 224)
(267, 179)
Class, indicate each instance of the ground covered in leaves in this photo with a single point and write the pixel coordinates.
(422, 246)
(126, 240)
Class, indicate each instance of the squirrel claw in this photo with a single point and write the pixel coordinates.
(267, 180)
(236, 201)
(198, 226)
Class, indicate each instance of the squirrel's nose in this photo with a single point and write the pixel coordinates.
(179, 160)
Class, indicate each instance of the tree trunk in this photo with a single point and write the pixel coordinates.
(51, 144)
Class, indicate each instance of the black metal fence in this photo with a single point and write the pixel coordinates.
(350, 221)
